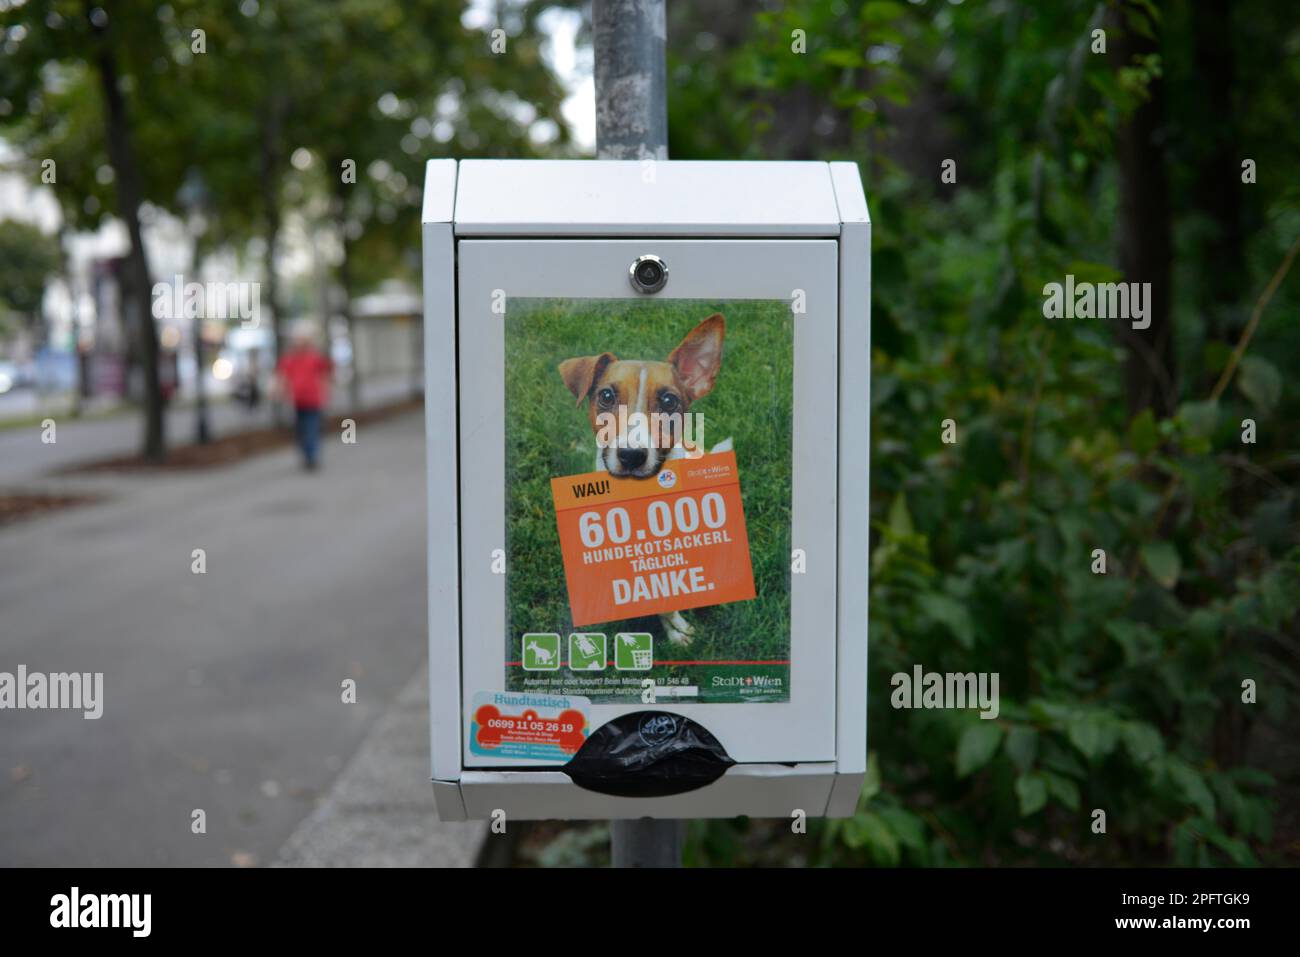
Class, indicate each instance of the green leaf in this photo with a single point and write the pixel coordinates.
(1060, 759)
(1050, 712)
(1093, 733)
(1031, 789)
(1200, 419)
(1185, 844)
(1215, 356)
(1138, 642)
(883, 388)
(900, 520)
(1143, 434)
(907, 827)
(977, 745)
(870, 831)
(1260, 382)
(1085, 270)
(871, 783)
(1193, 787)
(1021, 747)
(1063, 789)
(842, 58)
(1163, 562)
(879, 11)
(1237, 850)
(950, 613)
(1142, 741)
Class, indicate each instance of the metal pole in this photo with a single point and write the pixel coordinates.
(646, 843)
(631, 79)
(632, 124)
(202, 433)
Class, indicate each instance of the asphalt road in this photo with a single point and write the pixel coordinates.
(24, 457)
(222, 690)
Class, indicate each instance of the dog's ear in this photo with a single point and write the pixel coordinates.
(699, 357)
(580, 372)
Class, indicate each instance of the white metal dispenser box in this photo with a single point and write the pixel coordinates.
(647, 413)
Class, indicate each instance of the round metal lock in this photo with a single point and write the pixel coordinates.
(648, 274)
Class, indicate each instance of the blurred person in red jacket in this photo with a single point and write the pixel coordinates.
(302, 376)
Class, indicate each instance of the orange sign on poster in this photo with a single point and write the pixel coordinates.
(636, 547)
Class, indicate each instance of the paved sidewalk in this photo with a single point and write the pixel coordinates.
(379, 813)
(24, 458)
(222, 691)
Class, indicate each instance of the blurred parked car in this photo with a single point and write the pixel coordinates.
(56, 371)
(26, 377)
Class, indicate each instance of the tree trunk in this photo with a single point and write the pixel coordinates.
(1145, 243)
(202, 429)
(1218, 176)
(74, 312)
(272, 122)
(345, 283)
(127, 177)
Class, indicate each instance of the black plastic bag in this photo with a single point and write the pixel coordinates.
(648, 754)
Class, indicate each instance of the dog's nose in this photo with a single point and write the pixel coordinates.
(631, 459)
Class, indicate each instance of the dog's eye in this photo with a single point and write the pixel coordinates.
(606, 397)
(669, 402)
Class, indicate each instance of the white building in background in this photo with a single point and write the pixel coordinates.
(388, 330)
(84, 310)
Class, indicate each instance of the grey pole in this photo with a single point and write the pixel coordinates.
(631, 82)
(632, 124)
(646, 843)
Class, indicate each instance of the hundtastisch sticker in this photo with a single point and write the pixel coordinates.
(528, 727)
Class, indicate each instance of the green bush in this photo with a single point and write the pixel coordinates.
(1120, 691)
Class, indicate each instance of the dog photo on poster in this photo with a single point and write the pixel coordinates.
(648, 480)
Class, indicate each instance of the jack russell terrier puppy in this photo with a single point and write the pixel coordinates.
(639, 389)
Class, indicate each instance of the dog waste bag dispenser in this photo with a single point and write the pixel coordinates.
(647, 395)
